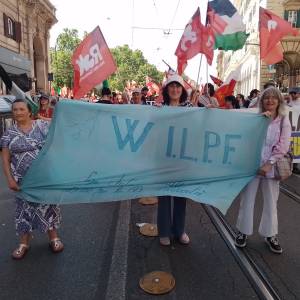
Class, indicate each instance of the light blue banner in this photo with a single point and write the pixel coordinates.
(100, 152)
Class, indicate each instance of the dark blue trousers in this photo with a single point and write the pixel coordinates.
(168, 226)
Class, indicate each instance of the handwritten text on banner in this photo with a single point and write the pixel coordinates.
(97, 153)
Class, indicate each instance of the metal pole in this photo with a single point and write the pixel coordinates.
(207, 76)
(174, 71)
(199, 69)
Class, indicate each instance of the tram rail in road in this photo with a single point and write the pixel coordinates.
(255, 275)
(285, 189)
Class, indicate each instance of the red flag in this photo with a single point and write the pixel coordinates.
(153, 87)
(216, 80)
(52, 92)
(272, 29)
(275, 55)
(225, 90)
(92, 62)
(196, 39)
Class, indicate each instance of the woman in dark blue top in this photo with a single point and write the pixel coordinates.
(174, 94)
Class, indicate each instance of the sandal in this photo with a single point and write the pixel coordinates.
(165, 241)
(56, 245)
(20, 252)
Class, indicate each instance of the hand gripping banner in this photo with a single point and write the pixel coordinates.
(100, 153)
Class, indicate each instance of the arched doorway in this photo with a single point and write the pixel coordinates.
(288, 71)
(39, 64)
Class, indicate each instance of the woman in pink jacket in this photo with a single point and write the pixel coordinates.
(276, 145)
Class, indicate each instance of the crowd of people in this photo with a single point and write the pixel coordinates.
(22, 142)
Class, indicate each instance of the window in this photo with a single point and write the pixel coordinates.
(292, 17)
(12, 29)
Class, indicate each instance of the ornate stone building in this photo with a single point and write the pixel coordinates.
(287, 72)
(254, 73)
(24, 39)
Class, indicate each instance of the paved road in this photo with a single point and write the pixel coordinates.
(283, 270)
(105, 255)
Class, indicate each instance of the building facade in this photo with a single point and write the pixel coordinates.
(24, 40)
(247, 58)
(253, 72)
(287, 72)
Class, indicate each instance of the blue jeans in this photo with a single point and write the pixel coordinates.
(165, 223)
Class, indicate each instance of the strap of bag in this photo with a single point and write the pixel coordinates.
(281, 125)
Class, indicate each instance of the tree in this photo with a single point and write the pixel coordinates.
(131, 65)
(61, 56)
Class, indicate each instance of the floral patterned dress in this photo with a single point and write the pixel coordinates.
(24, 148)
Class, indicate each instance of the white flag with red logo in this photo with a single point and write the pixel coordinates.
(92, 62)
(196, 38)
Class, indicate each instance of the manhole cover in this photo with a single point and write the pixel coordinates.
(148, 200)
(149, 229)
(157, 282)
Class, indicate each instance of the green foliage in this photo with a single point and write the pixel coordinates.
(61, 56)
(131, 65)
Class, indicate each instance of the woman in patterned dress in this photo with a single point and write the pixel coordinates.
(20, 146)
(172, 224)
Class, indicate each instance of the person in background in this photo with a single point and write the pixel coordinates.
(172, 223)
(231, 102)
(125, 98)
(294, 97)
(253, 98)
(114, 98)
(295, 102)
(207, 99)
(144, 92)
(240, 98)
(21, 144)
(270, 83)
(136, 97)
(119, 99)
(194, 97)
(105, 96)
(53, 102)
(276, 145)
(287, 98)
(45, 111)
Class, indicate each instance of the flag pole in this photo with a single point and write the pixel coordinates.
(206, 22)
(199, 69)
(207, 75)
(174, 72)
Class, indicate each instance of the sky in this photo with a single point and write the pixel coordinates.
(125, 22)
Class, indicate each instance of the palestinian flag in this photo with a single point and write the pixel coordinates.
(227, 25)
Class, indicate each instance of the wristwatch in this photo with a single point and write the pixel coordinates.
(272, 162)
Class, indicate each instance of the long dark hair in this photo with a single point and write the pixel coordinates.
(166, 97)
(211, 89)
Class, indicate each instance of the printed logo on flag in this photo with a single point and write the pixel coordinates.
(92, 62)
